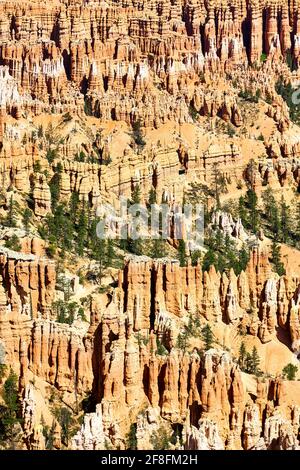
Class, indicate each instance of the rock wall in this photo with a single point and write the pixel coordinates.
(119, 359)
(119, 55)
(258, 298)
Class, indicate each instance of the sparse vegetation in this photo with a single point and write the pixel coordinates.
(249, 362)
(13, 243)
(137, 134)
(223, 254)
(10, 413)
(131, 440)
(207, 337)
(191, 330)
(160, 348)
(193, 113)
(289, 371)
(285, 90)
(161, 439)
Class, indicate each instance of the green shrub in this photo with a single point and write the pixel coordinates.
(289, 371)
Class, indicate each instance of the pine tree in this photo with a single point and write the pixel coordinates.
(100, 255)
(251, 170)
(248, 364)
(137, 134)
(55, 189)
(242, 211)
(74, 204)
(182, 253)
(82, 231)
(13, 243)
(27, 215)
(271, 212)
(65, 420)
(135, 246)
(209, 259)
(40, 131)
(243, 260)
(196, 256)
(152, 197)
(251, 201)
(182, 340)
(11, 216)
(136, 195)
(9, 410)
(110, 252)
(242, 356)
(289, 371)
(255, 361)
(228, 244)
(207, 337)
(218, 184)
(158, 248)
(218, 242)
(131, 440)
(276, 259)
(10, 396)
(285, 219)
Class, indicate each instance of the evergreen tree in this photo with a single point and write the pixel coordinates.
(207, 337)
(248, 364)
(9, 411)
(10, 397)
(11, 215)
(276, 259)
(271, 212)
(160, 439)
(158, 248)
(242, 356)
(26, 218)
(242, 211)
(110, 253)
(64, 417)
(217, 242)
(255, 361)
(82, 231)
(13, 243)
(196, 256)
(55, 189)
(182, 253)
(285, 219)
(131, 440)
(135, 245)
(40, 131)
(68, 235)
(251, 201)
(81, 314)
(137, 134)
(74, 205)
(209, 259)
(252, 362)
(243, 260)
(136, 195)
(100, 255)
(218, 184)
(289, 371)
(251, 170)
(182, 340)
(152, 197)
